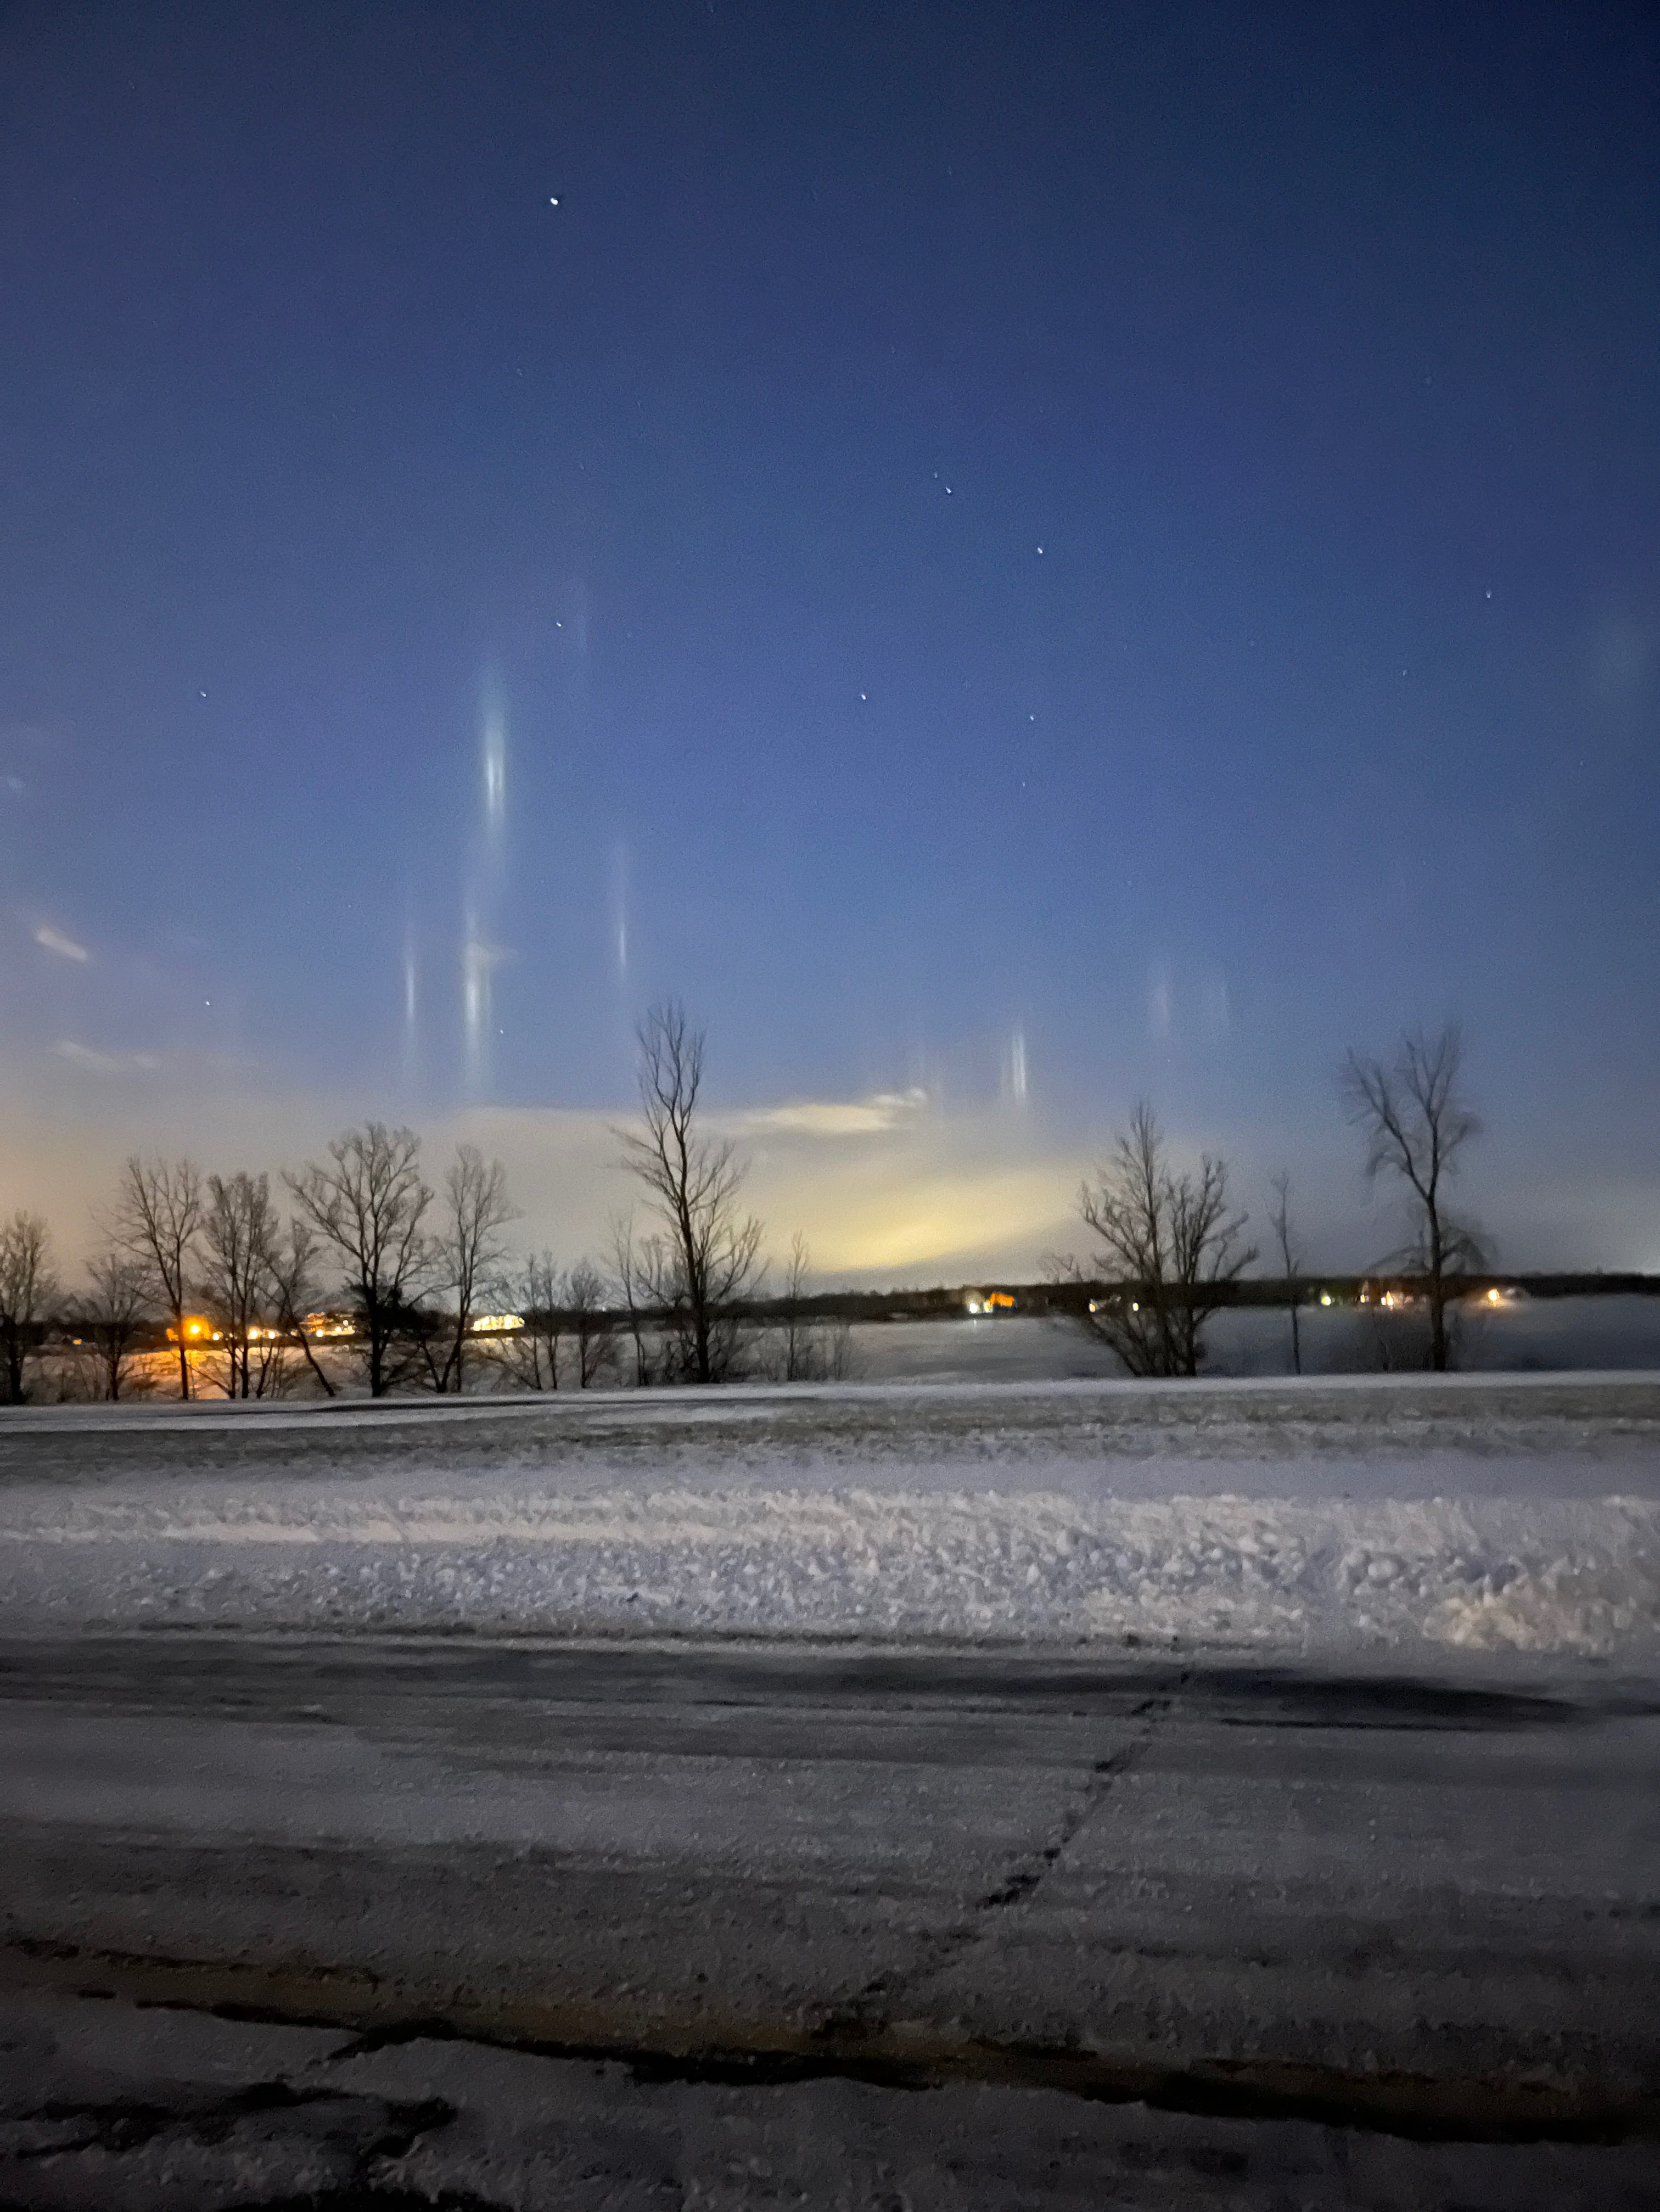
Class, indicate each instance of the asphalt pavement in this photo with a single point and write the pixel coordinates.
(1424, 1908)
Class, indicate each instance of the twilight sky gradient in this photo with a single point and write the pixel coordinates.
(1014, 556)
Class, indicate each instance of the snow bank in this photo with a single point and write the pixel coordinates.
(1458, 1512)
(1550, 1574)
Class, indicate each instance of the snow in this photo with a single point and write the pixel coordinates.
(1467, 1515)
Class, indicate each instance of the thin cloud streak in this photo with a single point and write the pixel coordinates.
(835, 1117)
(54, 940)
(105, 1063)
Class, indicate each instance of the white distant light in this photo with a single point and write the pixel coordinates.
(554, 202)
(1040, 549)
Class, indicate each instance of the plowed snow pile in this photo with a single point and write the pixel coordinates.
(1468, 1513)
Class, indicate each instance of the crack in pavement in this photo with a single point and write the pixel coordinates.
(868, 2010)
(1390, 2101)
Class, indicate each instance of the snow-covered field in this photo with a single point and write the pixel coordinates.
(1468, 1513)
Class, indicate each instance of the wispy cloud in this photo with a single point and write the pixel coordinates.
(838, 1117)
(54, 940)
(105, 1063)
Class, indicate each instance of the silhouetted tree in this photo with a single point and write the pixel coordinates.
(1416, 1122)
(636, 1264)
(1280, 1220)
(709, 1259)
(530, 1356)
(794, 1331)
(367, 1204)
(587, 1302)
(28, 1287)
(109, 1316)
(296, 1290)
(241, 1235)
(1169, 1249)
(157, 1222)
(467, 1255)
(808, 1349)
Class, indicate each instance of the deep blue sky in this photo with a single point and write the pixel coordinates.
(1316, 349)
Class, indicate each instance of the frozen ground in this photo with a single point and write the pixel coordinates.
(1470, 1513)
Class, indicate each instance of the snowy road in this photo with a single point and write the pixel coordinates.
(1244, 1796)
(1370, 1899)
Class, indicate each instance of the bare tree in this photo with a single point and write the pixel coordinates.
(1291, 1260)
(367, 1202)
(1170, 1248)
(109, 1316)
(710, 1258)
(157, 1222)
(294, 1293)
(808, 1349)
(795, 1332)
(636, 1264)
(530, 1356)
(467, 1255)
(28, 1287)
(241, 1235)
(1416, 1122)
(587, 1302)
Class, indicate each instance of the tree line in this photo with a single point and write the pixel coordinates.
(356, 1257)
(1169, 1243)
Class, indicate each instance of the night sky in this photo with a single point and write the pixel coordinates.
(1014, 556)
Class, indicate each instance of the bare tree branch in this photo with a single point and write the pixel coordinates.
(530, 1356)
(1416, 1123)
(467, 1255)
(710, 1261)
(158, 1222)
(1280, 1221)
(110, 1314)
(636, 1265)
(1170, 1247)
(294, 1291)
(587, 1297)
(367, 1202)
(241, 1235)
(28, 1287)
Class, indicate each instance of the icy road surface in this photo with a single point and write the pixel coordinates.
(717, 1925)
(1471, 1513)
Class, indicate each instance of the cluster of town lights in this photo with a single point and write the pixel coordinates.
(200, 1332)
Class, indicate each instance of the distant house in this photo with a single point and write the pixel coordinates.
(989, 1302)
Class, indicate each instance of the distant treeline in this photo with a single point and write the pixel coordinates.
(353, 1263)
(944, 1302)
